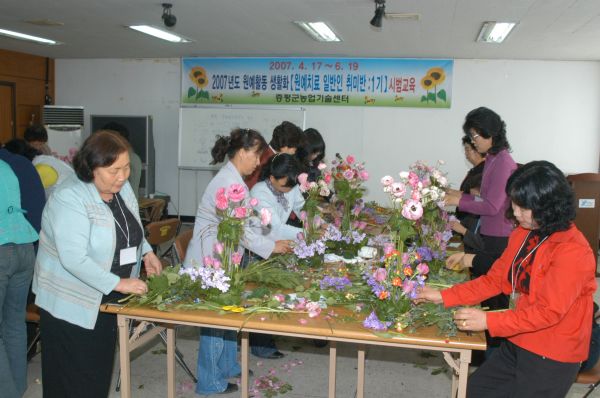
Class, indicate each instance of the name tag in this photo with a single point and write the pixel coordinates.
(128, 256)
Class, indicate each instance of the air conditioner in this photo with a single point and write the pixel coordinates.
(65, 128)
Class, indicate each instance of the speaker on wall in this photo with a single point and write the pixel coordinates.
(139, 129)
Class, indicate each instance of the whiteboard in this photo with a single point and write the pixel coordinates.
(198, 128)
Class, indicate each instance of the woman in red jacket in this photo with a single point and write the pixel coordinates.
(548, 271)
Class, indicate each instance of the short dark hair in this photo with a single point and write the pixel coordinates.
(101, 149)
(541, 187)
(282, 165)
(118, 127)
(286, 134)
(21, 147)
(487, 123)
(36, 133)
(236, 140)
(313, 143)
(466, 140)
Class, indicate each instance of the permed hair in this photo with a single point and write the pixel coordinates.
(36, 133)
(236, 140)
(487, 123)
(282, 165)
(541, 187)
(100, 149)
(287, 134)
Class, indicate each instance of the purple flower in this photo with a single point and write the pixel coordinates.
(339, 283)
(372, 322)
(425, 253)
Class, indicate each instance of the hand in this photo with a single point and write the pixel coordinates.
(131, 286)
(458, 227)
(283, 246)
(152, 264)
(454, 261)
(470, 319)
(427, 293)
(452, 197)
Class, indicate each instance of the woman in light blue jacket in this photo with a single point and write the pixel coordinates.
(217, 356)
(90, 251)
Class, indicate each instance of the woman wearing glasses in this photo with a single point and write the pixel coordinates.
(487, 132)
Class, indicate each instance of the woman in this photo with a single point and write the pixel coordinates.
(90, 251)
(278, 191)
(467, 224)
(217, 357)
(548, 270)
(16, 267)
(312, 152)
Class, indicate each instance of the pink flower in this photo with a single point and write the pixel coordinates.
(265, 216)
(388, 248)
(253, 202)
(408, 286)
(322, 166)
(380, 274)
(219, 247)
(300, 236)
(302, 321)
(314, 309)
(350, 159)
(216, 264)
(349, 174)
(302, 215)
(398, 189)
(317, 221)
(236, 258)
(387, 181)
(423, 269)
(236, 192)
(208, 261)
(363, 175)
(239, 212)
(413, 179)
(279, 297)
(222, 203)
(303, 180)
(412, 210)
(327, 178)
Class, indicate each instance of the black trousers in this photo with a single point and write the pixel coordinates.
(512, 372)
(77, 362)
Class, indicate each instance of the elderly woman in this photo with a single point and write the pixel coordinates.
(91, 247)
(217, 357)
(548, 271)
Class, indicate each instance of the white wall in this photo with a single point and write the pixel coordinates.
(550, 108)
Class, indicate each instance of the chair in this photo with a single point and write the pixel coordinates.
(32, 315)
(181, 244)
(161, 232)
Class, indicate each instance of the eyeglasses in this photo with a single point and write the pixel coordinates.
(474, 136)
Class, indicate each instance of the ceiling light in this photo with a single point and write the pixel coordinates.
(495, 32)
(23, 36)
(319, 31)
(379, 13)
(161, 34)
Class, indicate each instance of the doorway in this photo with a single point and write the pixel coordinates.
(7, 111)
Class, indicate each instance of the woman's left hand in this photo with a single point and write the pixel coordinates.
(452, 197)
(471, 319)
(152, 264)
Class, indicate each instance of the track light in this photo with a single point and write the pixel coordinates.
(379, 13)
(168, 19)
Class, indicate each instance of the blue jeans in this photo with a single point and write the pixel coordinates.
(217, 360)
(16, 270)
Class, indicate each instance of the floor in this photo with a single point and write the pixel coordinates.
(389, 372)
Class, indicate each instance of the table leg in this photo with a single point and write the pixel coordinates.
(360, 383)
(123, 325)
(332, 370)
(245, 351)
(463, 373)
(171, 361)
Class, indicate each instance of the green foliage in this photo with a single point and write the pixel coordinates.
(442, 95)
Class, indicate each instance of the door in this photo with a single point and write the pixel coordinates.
(7, 111)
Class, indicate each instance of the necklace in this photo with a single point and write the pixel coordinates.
(514, 273)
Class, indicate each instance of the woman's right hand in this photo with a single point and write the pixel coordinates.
(283, 246)
(427, 293)
(454, 261)
(131, 286)
(458, 227)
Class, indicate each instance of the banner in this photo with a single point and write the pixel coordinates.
(423, 83)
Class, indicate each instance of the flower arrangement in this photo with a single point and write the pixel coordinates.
(314, 192)
(348, 177)
(394, 286)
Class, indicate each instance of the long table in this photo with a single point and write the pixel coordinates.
(456, 350)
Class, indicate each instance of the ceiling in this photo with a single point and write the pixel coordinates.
(547, 29)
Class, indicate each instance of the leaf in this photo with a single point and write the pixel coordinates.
(442, 95)
(423, 98)
(431, 97)
(191, 92)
